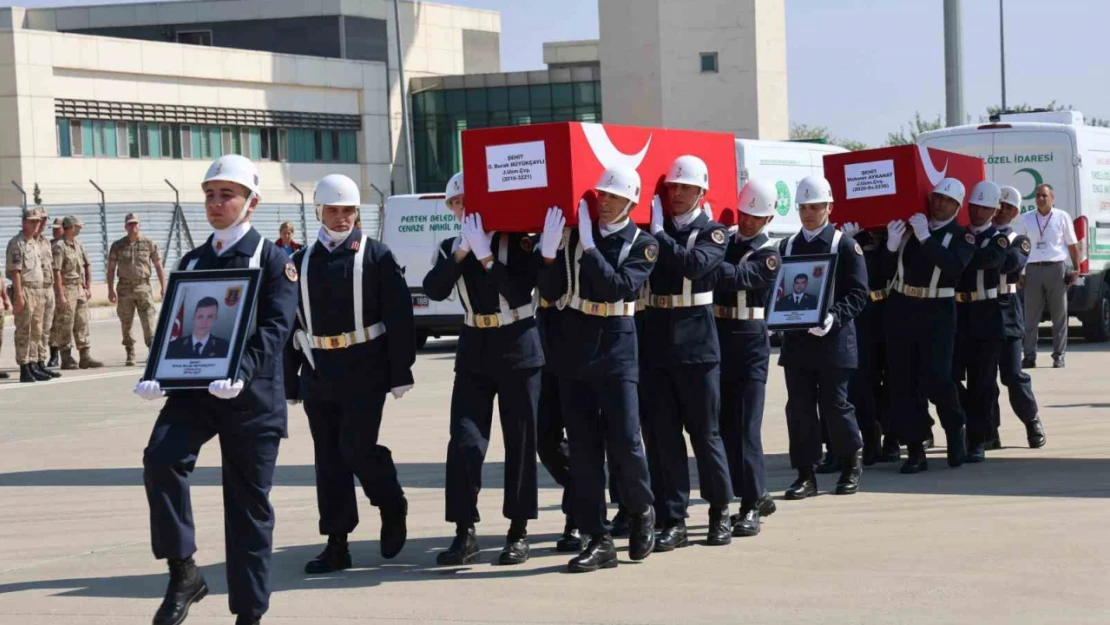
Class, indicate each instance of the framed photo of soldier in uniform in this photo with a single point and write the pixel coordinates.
(802, 293)
(205, 320)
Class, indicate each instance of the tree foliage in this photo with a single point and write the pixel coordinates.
(806, 132)
(907, 134)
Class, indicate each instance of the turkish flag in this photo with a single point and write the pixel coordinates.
(178, 322)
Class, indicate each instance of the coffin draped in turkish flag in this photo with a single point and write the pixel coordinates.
(513, 174)
(874, 187)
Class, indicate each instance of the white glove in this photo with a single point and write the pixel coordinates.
(824, 328)
(477, 238)
(895, 230)
(464, 245)
(552, 232)
(399, 391)
(656, 215)
(708, 210)
(149, 390)
(920, 224)
(225, 389)
(849, 228)
(585, 226)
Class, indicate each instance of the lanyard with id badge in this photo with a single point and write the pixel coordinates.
(1041, 245)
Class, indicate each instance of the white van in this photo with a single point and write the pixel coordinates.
(1026, 149)
(413, 227)
(785, 163)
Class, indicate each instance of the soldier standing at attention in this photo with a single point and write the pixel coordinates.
(5, 306)
(73, 270)
(24, 266)
(133, 256)
(48, 288)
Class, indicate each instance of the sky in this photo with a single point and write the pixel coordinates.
(862, 68)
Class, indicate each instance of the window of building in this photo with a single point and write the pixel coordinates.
(133, 139)
(186, 142)
(64, 144)
(76, 139)
(709, 62)
(122, 140)
(195, 37)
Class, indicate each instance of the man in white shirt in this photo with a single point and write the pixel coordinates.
(1047, 276)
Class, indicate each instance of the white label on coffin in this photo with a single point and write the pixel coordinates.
(516, 166)
(869, 179)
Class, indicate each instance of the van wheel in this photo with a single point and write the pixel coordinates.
(1096, 323)
(421, 339)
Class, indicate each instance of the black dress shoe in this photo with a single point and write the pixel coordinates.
(1029, 363)
(1034, 432)
(976, 453)
(395, 529)
(994, 443)
(891, 451)
(957, 447)
(187, 586)
(25, 374)
(720, 528)
(916, 461)
(463, 550)
(620, 526)
(641, 542)
(672, 537)
(803, 487)
(247, 620)
(40, 374)
(766, 505)
(43, 370)
(748, 523)
(571, 540)
(831, 463)
(848, 483)
(1058, 362)
(599, 554)
(516, 551)
(336, 556)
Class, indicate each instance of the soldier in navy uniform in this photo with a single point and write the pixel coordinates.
(499, 356)
(979, 319)
(921, 323)
(743, 283)
(345, 344)
(595, 280)
(682, 357)
(247, 413)
(820, 361)
(1019, 385)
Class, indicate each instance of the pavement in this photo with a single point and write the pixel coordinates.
(1019, 539)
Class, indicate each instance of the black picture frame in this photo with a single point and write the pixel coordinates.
(820, 273)
(176, 364)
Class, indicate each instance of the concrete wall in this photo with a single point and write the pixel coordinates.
(559, 54)
(631, 62)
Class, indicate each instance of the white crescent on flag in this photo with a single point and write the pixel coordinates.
(930, 170)
(607, 154)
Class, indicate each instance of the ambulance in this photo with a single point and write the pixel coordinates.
(1025, 149)
(413, 227)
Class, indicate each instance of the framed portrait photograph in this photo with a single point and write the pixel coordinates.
(802, 293)
(204, 323)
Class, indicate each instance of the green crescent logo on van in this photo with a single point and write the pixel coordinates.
(782, 204)
(1037, 180)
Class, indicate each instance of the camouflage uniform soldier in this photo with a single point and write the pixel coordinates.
(5, 306)
(24, 267)
(56, 233)
(133, 256)
(48, 290)
(71, 325)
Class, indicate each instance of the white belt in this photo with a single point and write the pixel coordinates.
(924, 292)
(737, 313)
(603, 309)
(349, 339)
(500, 319)
(1007, 288)
(680, 301)
(977, 297)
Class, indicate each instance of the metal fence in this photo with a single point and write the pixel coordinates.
(105, 225)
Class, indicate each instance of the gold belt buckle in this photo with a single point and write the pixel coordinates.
(661, 301)
(878, 296)
(338, 341)
(487, 321)
(912, 291)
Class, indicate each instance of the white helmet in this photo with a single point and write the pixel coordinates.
(234, 168)
(758, 199)
(689, 170)
(986, 193)
(1011, 196)
(621, 182)
(454, 186)
(335, 190)
(813, 190)
(950, 187)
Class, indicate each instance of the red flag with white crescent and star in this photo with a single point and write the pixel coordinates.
(178, 322)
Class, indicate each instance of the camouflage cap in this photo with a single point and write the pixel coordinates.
(131, 218)
(34, 213)
(71, 221)
(57, 223)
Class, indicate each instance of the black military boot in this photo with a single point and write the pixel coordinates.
(641, 539)
(1034, 432)
(516, 549)
(599, 554)
(394, 528)
(957, 447)
(892, 451)
(804, 486)
(571, 540)
(463, 550)
(187, 586)
(55, 358)
(747, 522)
(872, 446)
(829, 464)
(43, 370)
(848, 483)
(25, 374)
(720, 528)
(916, 462)
(40, 374)
(336, 556)
(620, 526)
(673, 536)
